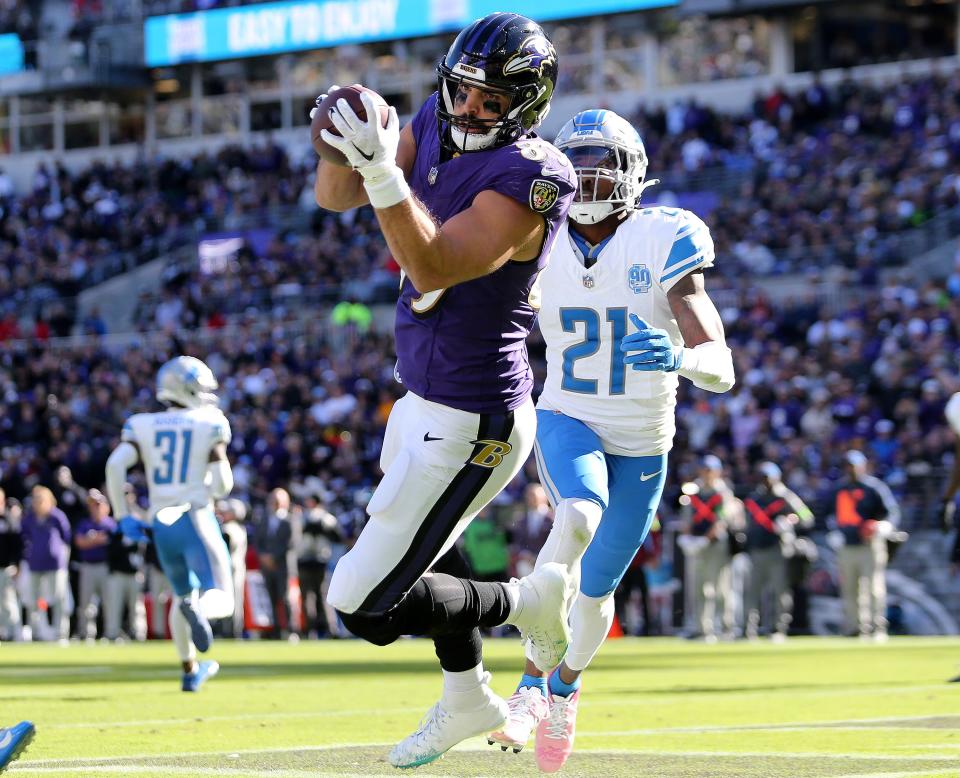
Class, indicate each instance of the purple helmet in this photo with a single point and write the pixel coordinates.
(501, 53)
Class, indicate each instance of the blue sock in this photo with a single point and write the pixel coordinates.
(561, 689)
(534, 682)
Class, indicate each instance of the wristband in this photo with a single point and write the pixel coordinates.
(709, 366)
(385, 184)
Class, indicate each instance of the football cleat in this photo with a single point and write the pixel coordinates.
(527, 707)
(442, 728)
(204, 672)
(556, 731)
(200, 629)
(14, 741)
(546, 596)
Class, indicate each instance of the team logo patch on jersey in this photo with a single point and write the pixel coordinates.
(639, 279)
(432, 176)
(543, 194)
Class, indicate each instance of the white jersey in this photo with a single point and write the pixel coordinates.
(952, 412)
(175, 449)
(585, 314)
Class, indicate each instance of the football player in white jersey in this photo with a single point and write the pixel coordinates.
(184, 455)
(606, 416)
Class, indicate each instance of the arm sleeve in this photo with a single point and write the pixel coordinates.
(121, 460)
(221, 432)
(221, 478)
(800, 508)
(890, 504)
(65, 530)
(952, 412)
(709, 366)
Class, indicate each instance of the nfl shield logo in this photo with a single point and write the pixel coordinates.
(543, 194)
(588, 282)
(432, 176)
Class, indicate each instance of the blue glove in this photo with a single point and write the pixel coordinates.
(650, 348)
(132, 529)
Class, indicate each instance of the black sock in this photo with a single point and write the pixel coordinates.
(460, 651)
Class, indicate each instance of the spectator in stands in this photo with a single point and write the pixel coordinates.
(232, 513)
(274, 542)
(486, 546)
(11, 554)
(773, 513)
(160, 591)
(713, 514)
(635, 580)
(46, 535)
(865, 514)
(319, 532)
(531, 529)
(126, 562)
(90, 540)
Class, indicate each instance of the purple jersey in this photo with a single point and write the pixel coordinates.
(465, 347)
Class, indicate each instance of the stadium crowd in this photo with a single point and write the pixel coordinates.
(308, 400)
(827, 178)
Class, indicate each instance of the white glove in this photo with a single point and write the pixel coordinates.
(320, 99)
(365, 144)
(370, 149)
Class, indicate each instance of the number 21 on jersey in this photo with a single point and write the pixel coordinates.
(571, 319)
(172, 448)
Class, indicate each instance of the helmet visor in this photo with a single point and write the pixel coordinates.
(597, 169)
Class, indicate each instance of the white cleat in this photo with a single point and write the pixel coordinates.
(546, 596)
(442, 728)
(527, 707)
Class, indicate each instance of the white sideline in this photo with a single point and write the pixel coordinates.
(474, 744)
(234, 717)
(786, 726)
(225, 771)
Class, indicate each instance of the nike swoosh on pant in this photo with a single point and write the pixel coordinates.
(648, 476)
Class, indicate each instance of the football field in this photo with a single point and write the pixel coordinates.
(662, 707)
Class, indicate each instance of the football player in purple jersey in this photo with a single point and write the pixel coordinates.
(469, 200)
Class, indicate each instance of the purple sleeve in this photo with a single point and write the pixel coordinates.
(63, 524)
(426, 118)
(545, 183)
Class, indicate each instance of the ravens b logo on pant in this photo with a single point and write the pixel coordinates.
(491, 454)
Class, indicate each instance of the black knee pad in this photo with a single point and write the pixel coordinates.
(378, 628)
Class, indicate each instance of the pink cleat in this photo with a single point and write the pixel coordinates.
(555, 732)
(528, 707)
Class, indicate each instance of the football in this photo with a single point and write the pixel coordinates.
(321, 119)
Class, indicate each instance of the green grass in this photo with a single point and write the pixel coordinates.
(809, 708)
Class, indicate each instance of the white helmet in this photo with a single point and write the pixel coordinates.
(187, 381)
(604, 146)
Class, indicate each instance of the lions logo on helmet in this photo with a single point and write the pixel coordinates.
(188, 382)
(610, 161)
